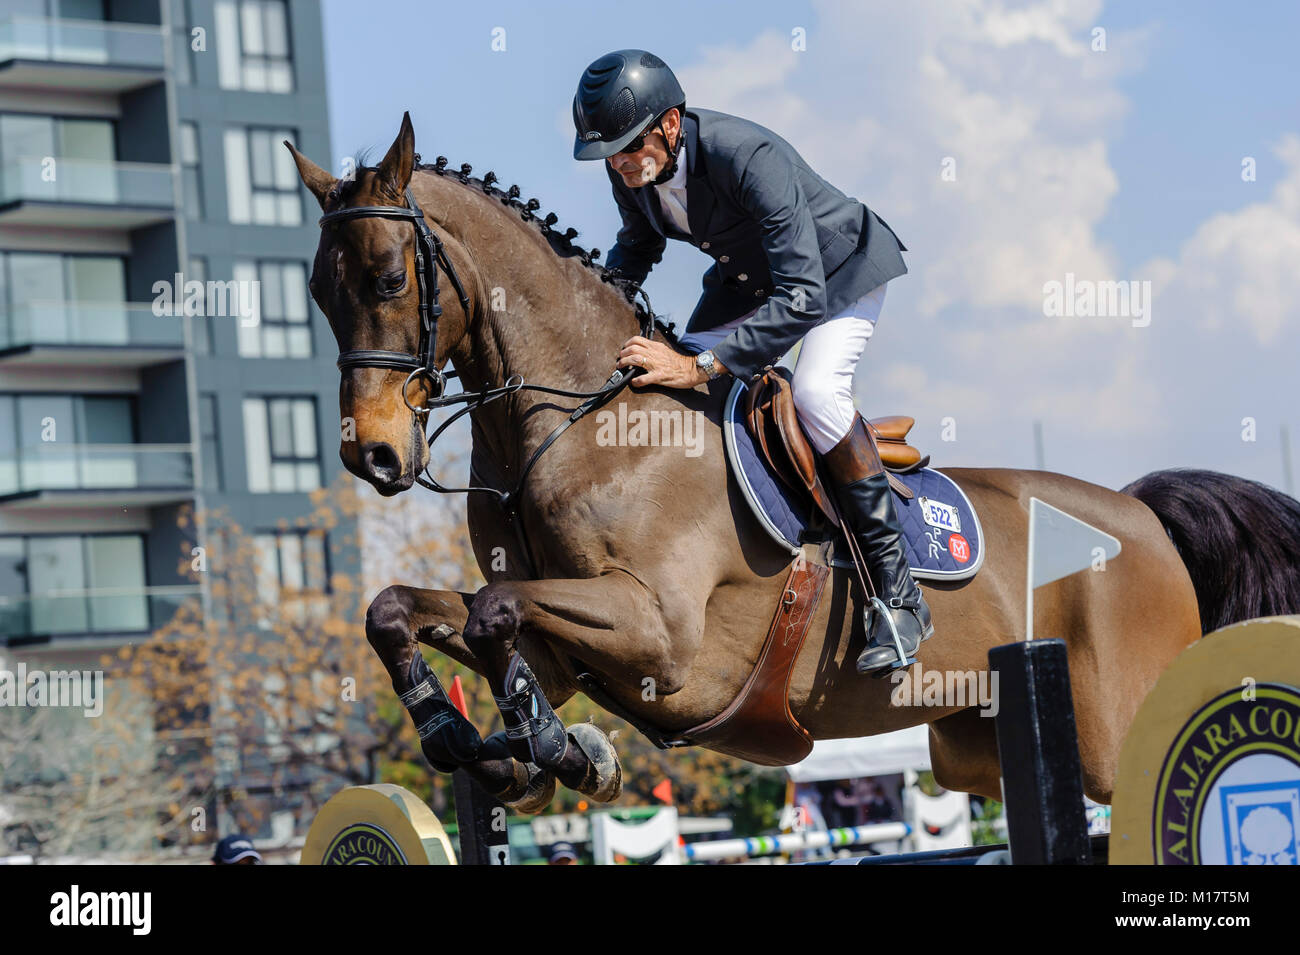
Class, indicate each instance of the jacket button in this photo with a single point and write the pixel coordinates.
(724, 258)
(704, 245)
(743, 277)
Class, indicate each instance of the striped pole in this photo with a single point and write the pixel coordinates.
(796, 841)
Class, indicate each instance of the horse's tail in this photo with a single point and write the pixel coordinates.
(1239, 539)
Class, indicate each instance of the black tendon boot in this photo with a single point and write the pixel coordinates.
(899, 619)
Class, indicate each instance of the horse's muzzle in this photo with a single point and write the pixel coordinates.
(382, 467)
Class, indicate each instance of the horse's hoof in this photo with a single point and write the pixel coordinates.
(605, 780)
(538, 794)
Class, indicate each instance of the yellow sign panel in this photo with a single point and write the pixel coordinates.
(1210, 770)
(376, 825)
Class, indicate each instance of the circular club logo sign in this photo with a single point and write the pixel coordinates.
(363, 843)
(960, 548)
(1229, 790)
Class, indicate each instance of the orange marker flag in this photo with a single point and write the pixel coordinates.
(664, 792)
(457, 696)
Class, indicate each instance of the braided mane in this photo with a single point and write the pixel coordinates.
(561, 243)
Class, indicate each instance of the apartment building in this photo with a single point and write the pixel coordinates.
(139, 141)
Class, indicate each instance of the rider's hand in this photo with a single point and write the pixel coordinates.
(663, 365)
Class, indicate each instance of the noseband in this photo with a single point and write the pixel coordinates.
(429, 254)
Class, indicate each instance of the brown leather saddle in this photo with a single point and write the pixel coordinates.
(772, 422)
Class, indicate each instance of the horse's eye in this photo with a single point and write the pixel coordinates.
(392, 283)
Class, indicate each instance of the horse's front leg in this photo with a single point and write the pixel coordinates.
(611, 622)
(447, 739)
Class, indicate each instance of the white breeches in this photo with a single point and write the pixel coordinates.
(823, 371)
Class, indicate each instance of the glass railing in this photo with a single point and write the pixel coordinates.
(81, 41)
(96, 467)
(53, 179)
(56, 322)
(102, 610)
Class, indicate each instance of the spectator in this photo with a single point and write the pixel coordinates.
(562, 853)
(878, 807)
(236, 849)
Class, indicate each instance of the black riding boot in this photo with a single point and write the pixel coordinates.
(867, 506)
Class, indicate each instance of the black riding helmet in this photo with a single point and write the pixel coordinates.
(619, 97)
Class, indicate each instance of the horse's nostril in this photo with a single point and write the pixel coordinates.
(382, 462)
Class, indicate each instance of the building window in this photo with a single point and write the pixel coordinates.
(283, 329)
(191, 181)
(52, 585)
(209, 446)
(280, 444)
(261, 180)
(291, 561)
(57, 442)
(28, 137)
(253, 45)
(48, 298)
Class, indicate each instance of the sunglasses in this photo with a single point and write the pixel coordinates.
(636, 145)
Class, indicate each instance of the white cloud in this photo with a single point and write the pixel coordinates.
(1243, 267)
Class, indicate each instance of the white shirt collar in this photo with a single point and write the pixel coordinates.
(678, 181)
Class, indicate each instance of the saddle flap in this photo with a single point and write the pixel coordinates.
(761, 416)
(774, 423)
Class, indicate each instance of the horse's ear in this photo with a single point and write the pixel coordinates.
(313, 176)
(395, 170)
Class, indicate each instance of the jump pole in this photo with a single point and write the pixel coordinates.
(795, 842)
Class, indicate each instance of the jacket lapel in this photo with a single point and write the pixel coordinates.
(699, 195)
(649, 202)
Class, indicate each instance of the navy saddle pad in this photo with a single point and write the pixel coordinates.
(941, 531)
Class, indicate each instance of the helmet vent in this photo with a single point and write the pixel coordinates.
(650, 61)
(623, 110)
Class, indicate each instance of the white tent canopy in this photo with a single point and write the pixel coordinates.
(868, 756)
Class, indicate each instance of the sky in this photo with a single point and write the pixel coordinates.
(1009, 145)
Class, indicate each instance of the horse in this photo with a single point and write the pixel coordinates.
(642, 567)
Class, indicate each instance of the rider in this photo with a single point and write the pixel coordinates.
(794, 258)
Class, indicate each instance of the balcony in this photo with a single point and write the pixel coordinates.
(88, 334)
(86, 193)
(106, 613)
(79, 55)
(57, 475)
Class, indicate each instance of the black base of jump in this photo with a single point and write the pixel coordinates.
(1038, 749)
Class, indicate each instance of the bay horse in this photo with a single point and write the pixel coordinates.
(644, 566)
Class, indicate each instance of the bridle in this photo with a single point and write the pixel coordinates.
(429, 255)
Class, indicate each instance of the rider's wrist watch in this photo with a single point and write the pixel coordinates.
(704, 362)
